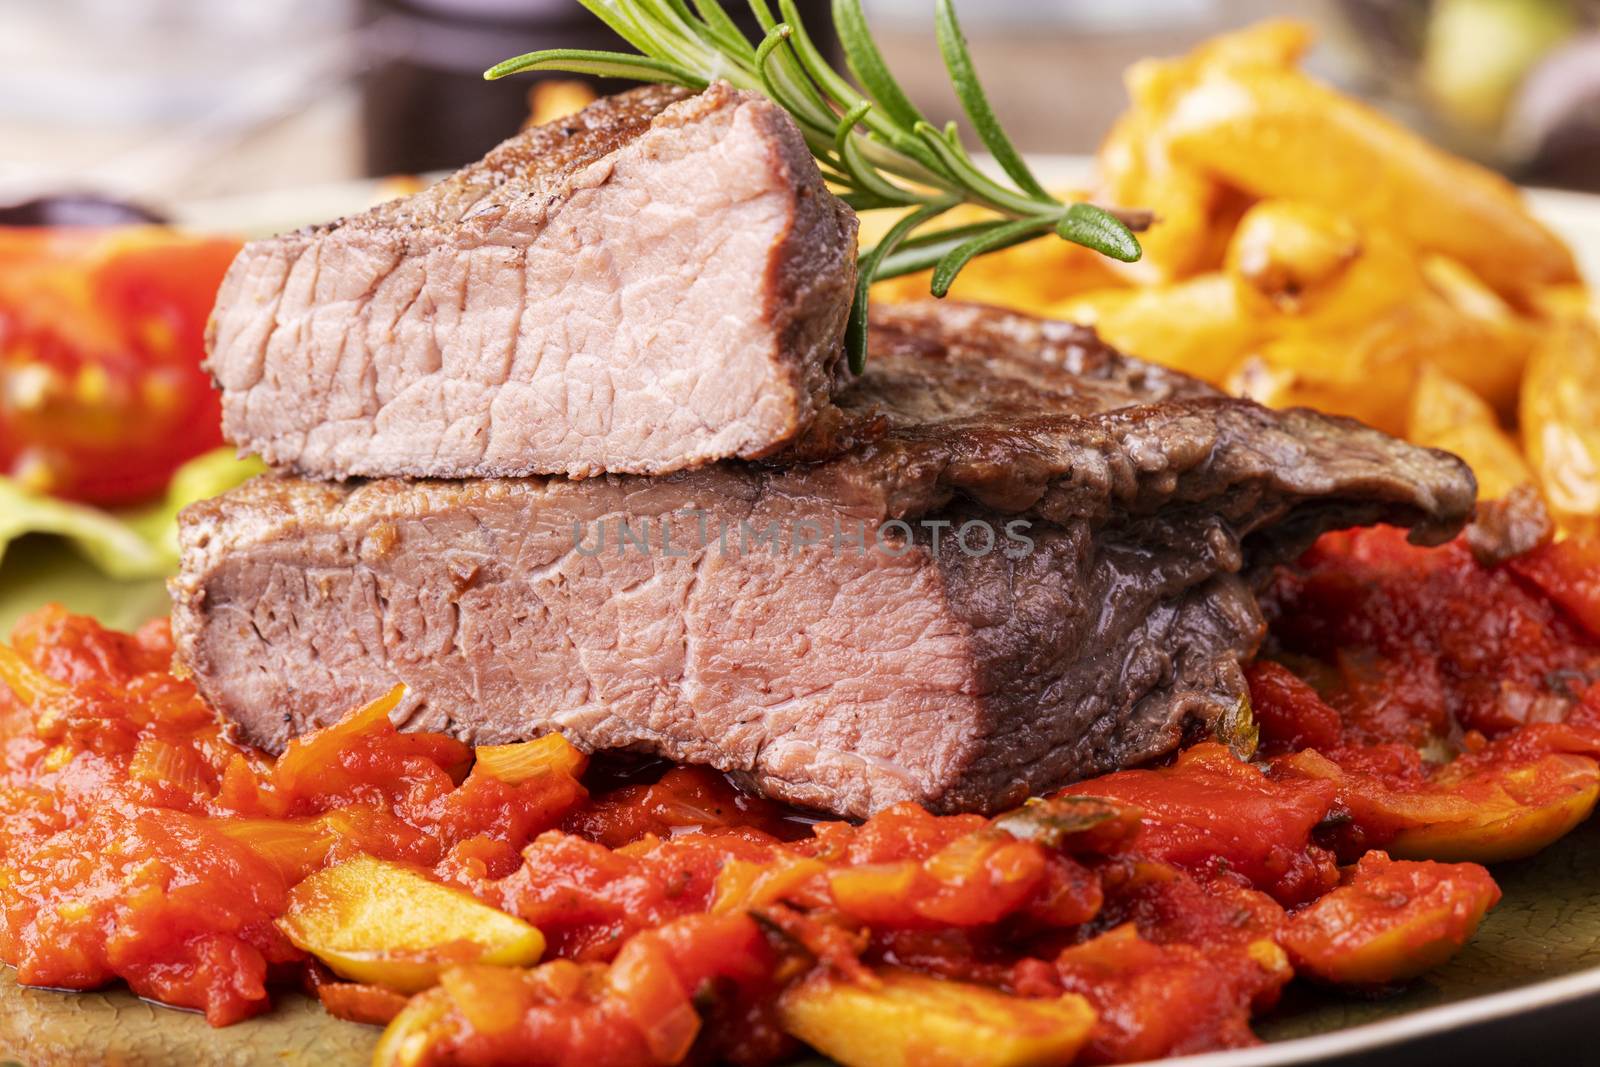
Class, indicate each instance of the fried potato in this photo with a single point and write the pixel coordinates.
(914, 1020)
(1300, 268)
(1291, 256)
(1276, 133)
(1561, 422)
(1268, 43)
(385, 924)
(1493, 345)
(1137, 171)
(1440, 404)
(1030, 277)
(1367, 367)
(1194, 213)
(1446, 414)
(1154, 85)
(1365, 372)
(1566, 301)
(1196, 326)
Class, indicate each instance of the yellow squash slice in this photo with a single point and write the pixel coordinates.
(386, 924)
(912, 1020)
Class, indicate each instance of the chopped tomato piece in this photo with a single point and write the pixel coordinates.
(682, 798)
(1568, 572)
(1390, 920)
(1212, 813)
(1422, 643)
(1156, 1000)
(1289, 712)
(638, 1012)
(101, 338)
(361, 1003)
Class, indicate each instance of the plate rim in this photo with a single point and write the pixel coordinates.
(1423, 1022)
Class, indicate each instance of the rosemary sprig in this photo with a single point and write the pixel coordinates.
(871, 142)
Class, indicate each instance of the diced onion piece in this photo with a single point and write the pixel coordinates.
(519, 762)
(162, 764)
(29, 685)
(308, 756)
(295, 847)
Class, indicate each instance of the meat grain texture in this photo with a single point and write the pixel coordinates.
(837, 678)
(659, 281)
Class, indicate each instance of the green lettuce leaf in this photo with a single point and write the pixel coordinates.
(126, 545)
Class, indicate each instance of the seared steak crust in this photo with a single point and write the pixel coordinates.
(838, 678)
(657, 282)
(1030, 415)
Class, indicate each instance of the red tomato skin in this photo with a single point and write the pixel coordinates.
(102, 335)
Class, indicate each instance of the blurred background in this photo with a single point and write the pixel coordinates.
(170, 101)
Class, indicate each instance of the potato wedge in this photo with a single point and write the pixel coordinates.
(386, 924)
(1446, 414)
(1366, 373)
(1492, 341)
(1561, 422)
(912, 1020)
(1382, 279)
(1273, 42)
(1368, 368)
(1391, 920)
(1567, 301)
(1440, 404)
(1137, 171)
(1276, 133)
(1288, 257)
(1194, 213)
(1030, 277)
(1196, 326)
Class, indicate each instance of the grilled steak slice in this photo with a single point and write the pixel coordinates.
(656, 282)
(780, 623)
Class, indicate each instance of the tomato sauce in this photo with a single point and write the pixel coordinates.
(1420, 713)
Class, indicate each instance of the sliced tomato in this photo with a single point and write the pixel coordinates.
(1567, 572)
(102, 333)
